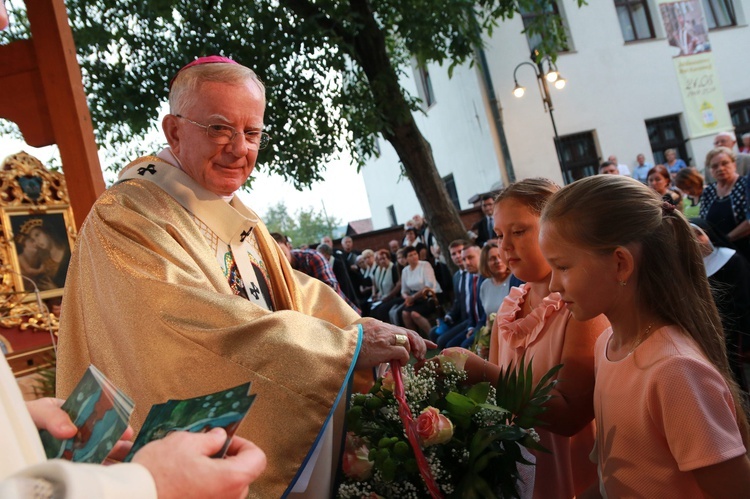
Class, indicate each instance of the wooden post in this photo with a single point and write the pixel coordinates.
(43, 77)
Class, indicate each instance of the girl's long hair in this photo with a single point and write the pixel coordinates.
(605, 211)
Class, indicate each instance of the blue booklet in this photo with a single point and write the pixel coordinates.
(225, 409)
(101, 412)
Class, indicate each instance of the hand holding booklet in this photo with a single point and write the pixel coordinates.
(101, 412)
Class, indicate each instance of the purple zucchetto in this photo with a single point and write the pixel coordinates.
(209, 59)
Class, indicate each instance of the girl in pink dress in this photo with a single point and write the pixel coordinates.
(533, 322)
(668, 413)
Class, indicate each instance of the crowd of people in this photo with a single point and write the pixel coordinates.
(719, 194)
(176, 289)
(409, 283)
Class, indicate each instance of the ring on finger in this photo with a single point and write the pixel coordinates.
(401, 339)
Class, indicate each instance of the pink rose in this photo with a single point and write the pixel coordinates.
(355, 463)
(434, 428)
(388, 383)
(456, 356)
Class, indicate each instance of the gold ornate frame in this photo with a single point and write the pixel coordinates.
(32, 197)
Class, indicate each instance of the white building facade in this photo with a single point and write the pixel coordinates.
(622, 97)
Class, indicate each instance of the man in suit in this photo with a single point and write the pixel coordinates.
(457, 315)
(350, 259)
(469, 303)
(350, 254)
(485, 227)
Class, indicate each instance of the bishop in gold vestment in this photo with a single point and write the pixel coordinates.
(147, 302)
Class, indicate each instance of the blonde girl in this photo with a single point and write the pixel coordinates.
(533, 322)
(668, 415)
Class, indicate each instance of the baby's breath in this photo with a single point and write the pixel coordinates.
(534, 435)
(354, 490)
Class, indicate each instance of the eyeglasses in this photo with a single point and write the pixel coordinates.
(224, 134)
(725, 163)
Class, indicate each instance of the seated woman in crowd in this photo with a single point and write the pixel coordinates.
(386, 289)
(418, 282)
(412, 238)
(660, 181)
(493, 291)
(497, 286)
(724, 202)
(689, 181)
(535, 323)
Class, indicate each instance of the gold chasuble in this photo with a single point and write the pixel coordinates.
(146, 302)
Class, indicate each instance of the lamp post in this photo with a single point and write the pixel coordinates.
(551, 75)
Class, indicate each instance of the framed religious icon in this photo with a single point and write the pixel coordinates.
(37, 228)
(41, 248)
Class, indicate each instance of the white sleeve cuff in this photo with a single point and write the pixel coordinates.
(91, 481)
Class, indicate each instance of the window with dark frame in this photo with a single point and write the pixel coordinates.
(450, 186)
(666, 133)
(740, 112)
(426, 93)
(635, 19)
(580, 157)
(719, 13)
(528, 17)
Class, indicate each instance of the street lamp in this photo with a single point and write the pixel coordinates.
(551, 75)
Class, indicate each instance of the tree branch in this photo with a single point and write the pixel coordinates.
(307, 10)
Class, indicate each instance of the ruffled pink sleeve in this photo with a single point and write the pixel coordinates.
(511, 336)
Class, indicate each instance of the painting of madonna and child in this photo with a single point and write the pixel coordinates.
(42, 250)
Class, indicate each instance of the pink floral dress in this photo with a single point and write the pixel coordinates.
(567, 471)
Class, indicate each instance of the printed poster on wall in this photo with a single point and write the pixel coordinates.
(706, 111)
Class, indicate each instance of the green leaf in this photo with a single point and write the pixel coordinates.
(478, 393)
(479, 442)
(491, 407)
(484, 460)
(530, 443)
(460, 405)
(517, 393)
(483, 488)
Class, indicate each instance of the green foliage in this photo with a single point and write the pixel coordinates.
(309, 54)
(306, 226)
(517, 393)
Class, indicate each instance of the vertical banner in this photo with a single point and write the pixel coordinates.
(706, 111)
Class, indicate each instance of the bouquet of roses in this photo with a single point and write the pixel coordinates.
(469, 437)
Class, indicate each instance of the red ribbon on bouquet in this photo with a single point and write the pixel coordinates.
(411, 432)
